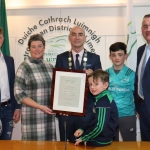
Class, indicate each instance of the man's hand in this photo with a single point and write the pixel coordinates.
(16, 115)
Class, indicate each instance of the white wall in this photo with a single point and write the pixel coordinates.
(69, 3)
(106, 19)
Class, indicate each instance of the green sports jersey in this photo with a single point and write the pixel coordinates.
(121, 87)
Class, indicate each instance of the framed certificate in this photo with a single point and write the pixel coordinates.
(69, 91)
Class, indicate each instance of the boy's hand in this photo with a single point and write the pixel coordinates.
(138, 116)
(78, 141)
(63, 114)
(78, 133)
(89, 71)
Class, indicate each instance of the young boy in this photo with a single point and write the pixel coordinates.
(100, 130)
(121, 88)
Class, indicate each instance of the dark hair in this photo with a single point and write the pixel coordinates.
(100, 74)
(1, 31)
(36, 37)
(146, 16)
(118, 46)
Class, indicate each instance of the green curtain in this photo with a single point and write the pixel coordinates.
(3, 24)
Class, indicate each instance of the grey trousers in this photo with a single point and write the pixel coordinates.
(127, 128)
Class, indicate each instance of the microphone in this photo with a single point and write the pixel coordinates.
(65, 126)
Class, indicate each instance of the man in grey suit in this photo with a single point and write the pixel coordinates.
(142, 84)
(81, 59)
(9, 109)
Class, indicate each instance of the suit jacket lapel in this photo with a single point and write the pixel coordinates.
(81, 66)
(147, 65)
(141, 54)
(139, 57)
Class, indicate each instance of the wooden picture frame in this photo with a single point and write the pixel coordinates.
(69, 91)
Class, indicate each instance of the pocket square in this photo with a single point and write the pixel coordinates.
(88, 65)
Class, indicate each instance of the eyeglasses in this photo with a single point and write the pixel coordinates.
(145, 27)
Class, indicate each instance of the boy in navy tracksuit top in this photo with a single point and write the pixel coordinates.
(100, 131)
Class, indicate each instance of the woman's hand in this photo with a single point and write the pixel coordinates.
(30, 102)
(47, 110)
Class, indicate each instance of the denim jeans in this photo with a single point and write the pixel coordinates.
(6, 117)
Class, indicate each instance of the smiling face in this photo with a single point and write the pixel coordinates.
(97, 86)
(77, 38)
(146, 29)
(118, 58)
(37, 49)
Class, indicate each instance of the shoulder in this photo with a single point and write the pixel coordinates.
(141, 48)
(92, 54)
(63, 54)
(23, 66)
(106, 99)
(8, 57)
(9, 61)
(129, 71)
(48, 64)
(108, 70)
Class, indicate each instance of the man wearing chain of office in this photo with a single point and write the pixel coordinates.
(81, 59)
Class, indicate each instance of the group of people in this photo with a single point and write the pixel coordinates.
(114, 98)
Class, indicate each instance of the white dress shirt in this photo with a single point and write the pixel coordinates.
(139, 69)
(80, 55)
(4, 83)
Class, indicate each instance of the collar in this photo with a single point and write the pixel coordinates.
(102, 94)
(147, 45)
(80, 53)
(34, 60)
(1, 54)
(121, 68)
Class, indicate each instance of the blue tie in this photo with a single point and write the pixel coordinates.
(77, 62)
(143, 69)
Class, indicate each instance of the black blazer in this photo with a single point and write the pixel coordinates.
(11, 77)
(93, 62)
(145, 81)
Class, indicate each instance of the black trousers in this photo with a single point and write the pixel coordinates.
(144, 122)
(72, 124)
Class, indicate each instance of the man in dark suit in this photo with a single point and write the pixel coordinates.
(77, 58)
(9, 109)
(142, 84)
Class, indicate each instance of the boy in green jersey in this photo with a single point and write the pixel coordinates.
(100, 130)
(121, 88)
